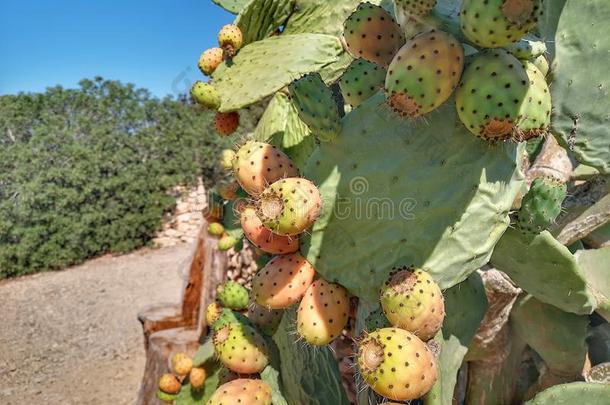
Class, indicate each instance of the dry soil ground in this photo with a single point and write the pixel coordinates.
(72, 337)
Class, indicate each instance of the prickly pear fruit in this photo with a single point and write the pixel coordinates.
(182, 364)
(376, 320)
(226, 159)
(283, 281)
(360, 81)
(165, 397)
(230, 39)
(226, 123)
(232, 295)
(371, 33)
(206, 95)
(209, 60)
(267, 320)
(289, 206)
(227, 242)
(542, 63)
(216, 228)
(241, 348)
(316, 106)
(243, 392)
(258, 164)
(501, 97)
(169, 384)
(263, 238)
(197, 377)
(497, 23)
(415, 7)
(541, 205)
(323, 312)
(212, 312)
(411, 300)
(424, 73)
(228, 191)
(527, 48)
(227, 316)
(396, 364)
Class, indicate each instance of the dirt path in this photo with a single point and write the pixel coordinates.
(72, 337)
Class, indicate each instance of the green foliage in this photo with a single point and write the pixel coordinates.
(87, 171)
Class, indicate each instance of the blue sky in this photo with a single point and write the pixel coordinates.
(152, 43)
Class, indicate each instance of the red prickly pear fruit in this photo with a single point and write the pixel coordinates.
(424, 73)
(323, 312)
(212, 313)
(258, 164)
(230, 39)
(371, 33)
(289, 206)
(263, 238)
(396, 364)
(169, 384)
(197, 377)
(182, 364)
(226, 123)
(243, 392)
(216, 229)
(209, 60)
(267, 320)
(241, 348)
(411, 300)
(283, 281)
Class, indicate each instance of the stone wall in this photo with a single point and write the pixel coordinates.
(182, 225)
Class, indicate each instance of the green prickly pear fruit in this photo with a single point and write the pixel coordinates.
(241, 348)
(226, 123)
(243, 392)
(232, 295)
(542, 63)
(411, 300)
(169, 384)
(227, 242)
(226, 159)
(360, 81)
(267, 320)
(165, 397)
(415, 7)
(197, 377)
(258, 164)
(206, 95)
(323, 313)
(181, 364)
(230, 39)
(316, 106)
(283, 281)
(541, 205)
(527, 48)
(216, 228)
(376, 320)
(497, 23)
(263, 238)
(289, 206)
(371, 33)
(212, 313)
(227, 316)
(209, 60)
(396, 364)
(502, 98)
(424, 73)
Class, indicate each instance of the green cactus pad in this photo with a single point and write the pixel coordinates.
(320, 16)
(558, 336)
(261, 18)
(573, 393)
(360, 81)
(594, 264)
(546, 269)
(541, 205)
(376, 320)
(309, 375)
(281, 120)
(497, 23)
(316, 106)
(527, 48)
(421, 193)
(261, 68)
(580, 101)
(232, 6)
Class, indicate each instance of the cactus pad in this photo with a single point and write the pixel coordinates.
(261, 18)
(573, 393)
